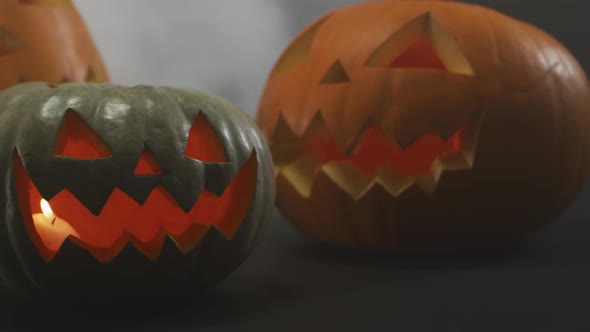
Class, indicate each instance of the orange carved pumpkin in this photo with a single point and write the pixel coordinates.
(46, 40)
(425, 125)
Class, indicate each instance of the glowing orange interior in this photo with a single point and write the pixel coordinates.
(76, 140)
(147, 164)
(123, 220)
(374, 151)
(420, 54)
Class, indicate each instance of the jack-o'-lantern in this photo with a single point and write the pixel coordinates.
(46, 40)
(118, 188)
(425, 125)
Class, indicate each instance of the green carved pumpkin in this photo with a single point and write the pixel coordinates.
(111, 189)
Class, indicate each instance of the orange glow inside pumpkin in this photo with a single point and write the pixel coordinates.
(122, 219)
(419, 54)
(76, 140)
(147, 164)
(374, 151)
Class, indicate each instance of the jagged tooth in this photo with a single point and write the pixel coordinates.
(469, 141)
(170, 243)
(139, 188)
(124, 241)
(219, 176)
(392, 182)
(191, 238)
(102, 255)
(404, 145)
(428, 182)
(347, 177)
(184, 191)
(404, 140)
(301, 175)
(47, 185)
(356, 184)
(130, 249)
(360, 131)
(455, 162)
(68, 244)
(152, 253)
(107, 255)
(94, 200)
(316, 125)
(448, 125)
(185, 243)
(216, 233)
(291, 145)
(444, 131)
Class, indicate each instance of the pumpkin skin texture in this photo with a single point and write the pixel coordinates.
(46, 40)
(151, 191)
(421, 126)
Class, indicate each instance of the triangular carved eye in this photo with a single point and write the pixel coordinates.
(147, 164)
(421, 43)
(420, 54)
(335, 74)
(203, 143)
(300, 49)
(76, 140)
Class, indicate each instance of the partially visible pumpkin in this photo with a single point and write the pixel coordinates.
(46, 40)
(425, 125)
(114, 189)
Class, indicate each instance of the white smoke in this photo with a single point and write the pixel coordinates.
(226, 47)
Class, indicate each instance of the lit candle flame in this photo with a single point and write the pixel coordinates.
(47, 211)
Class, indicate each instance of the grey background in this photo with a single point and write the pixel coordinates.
(291, 283)
(227, 47)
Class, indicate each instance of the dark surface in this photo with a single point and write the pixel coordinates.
(293, 284)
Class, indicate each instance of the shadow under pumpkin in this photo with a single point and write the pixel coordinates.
(123, 219)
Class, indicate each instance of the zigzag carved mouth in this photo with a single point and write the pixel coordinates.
(123, 220)
(373, 160)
